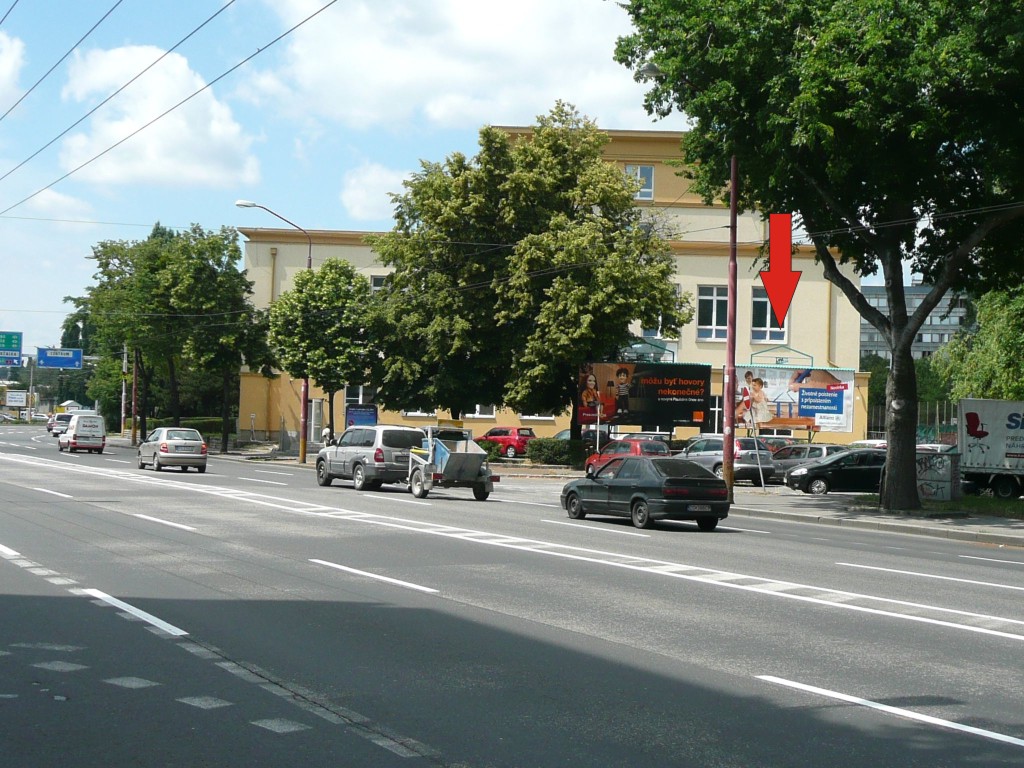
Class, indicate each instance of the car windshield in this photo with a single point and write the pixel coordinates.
(402, 438)
(680, 468)
(183, 434)
(751, 444)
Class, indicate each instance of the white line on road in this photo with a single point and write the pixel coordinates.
(139, 613)
(408, 584)
(934, 576)
(528, 503)
(119, 461)
(906, 713)
(8, 552)
(596, 528)
(164, 522)
(261, 480)
(992, 559)
(47, 490)
(272, 472)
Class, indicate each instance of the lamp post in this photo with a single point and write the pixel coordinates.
(303, 416)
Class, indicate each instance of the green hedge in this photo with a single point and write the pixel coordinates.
(493, 449)
(207, 425)
(548, 450)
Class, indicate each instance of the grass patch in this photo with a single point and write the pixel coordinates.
(984, 505)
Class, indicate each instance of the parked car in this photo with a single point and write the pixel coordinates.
(617, 448)
(751, 458)
(369, 456)
(588, 436)
(85, 432)
(649, 488)
(173, 447)
(512, 440)
(663, 436)
(794, 455)
(859, 469)
(59, 424)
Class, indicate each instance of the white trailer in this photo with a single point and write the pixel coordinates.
(990, 434)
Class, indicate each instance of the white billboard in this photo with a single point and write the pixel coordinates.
(802, 399)
(17, 398)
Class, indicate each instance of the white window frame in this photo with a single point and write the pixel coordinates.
(482, 412)
(718, 297)
(645, 175)
(772, 333)
(364, 394)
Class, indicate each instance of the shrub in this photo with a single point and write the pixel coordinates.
(548, 450)
(493, 449)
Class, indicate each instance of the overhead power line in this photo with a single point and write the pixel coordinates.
(60, 60)
(8, 12)
(163, 114)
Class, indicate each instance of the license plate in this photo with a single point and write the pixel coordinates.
(182, 449)
(700, 507)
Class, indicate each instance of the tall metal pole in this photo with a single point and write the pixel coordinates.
(304, 395)
(729, 381)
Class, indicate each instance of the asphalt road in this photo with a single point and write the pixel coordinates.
(248, 617)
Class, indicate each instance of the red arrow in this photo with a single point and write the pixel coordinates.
(780, 280)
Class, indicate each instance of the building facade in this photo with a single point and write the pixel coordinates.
(942, 324)
(820, 331)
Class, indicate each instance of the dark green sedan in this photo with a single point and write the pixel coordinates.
(647, 488)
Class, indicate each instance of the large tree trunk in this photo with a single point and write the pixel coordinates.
(901, 434)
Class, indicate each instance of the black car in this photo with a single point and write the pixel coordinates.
(857, 470)
(646, 488)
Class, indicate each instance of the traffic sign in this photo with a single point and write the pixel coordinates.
(10, 349)
(58, 358)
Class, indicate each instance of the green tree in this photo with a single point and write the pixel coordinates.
(318, 329)
(989, 362)
(513, 268)
(891, 130)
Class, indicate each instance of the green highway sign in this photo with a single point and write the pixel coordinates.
(10, 348)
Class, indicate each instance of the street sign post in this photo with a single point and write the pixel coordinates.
(58, 358)
(10, 349)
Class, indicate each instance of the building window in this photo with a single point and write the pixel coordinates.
(377, 282)
(764, 327)
(712, 312)
(645, 174)
(360, 394)
(482, 412)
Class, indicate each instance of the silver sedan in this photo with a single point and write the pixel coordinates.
(173, 447)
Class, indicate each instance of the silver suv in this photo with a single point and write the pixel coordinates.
(369, 456)
(751, 458)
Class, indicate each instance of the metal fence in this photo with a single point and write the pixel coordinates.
(936, 422)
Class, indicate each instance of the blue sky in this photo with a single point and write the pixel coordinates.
(319, 126)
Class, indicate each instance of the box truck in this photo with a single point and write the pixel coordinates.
(990, 434)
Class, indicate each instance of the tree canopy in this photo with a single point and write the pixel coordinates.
(890, 130)
(513, 268)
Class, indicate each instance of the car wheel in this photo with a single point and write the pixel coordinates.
(184, 469)
(142, 464)
(99, 450)
(323, 477)
(157, 466)
(1005, 488)
(60, 448)
(574, 507)
(757, 482)
(640, 514)
(419, 490)
(359, 477)
(480, 492)
(510, 451)
(707, 523)
(201, 469)
(719, 471)
(818, 486)
(374, 485)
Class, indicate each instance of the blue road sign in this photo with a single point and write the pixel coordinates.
(58, 358)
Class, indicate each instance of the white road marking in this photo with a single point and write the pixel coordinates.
(137, 612)
(261, 480)
(164, 522)
(992, 559)
(933, 576)
(905, 713)
(742, 530)
(272, 472)
(119, 461)
(596, 528)
(408, 584)
(8, 552)
(528, 503)
(47, 490)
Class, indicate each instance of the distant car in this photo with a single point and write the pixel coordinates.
(85, 432)
(369, 456)
(649, 488)
(60, 423)
(617, 448)
(6, 417)
(40, 417)
(794, 455)
(173, 447)
(512, 440)
(588, 436)
(751, 458)
(859, 469)
(663, 436)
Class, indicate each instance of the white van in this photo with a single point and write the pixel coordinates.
(85, 432)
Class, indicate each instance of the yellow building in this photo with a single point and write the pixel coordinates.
(822, 330)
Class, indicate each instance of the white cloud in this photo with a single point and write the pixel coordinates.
(365, 190)
(453, 63)
(197, 144)
(12, 57)
(58, 207)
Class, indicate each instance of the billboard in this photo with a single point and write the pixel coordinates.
(802, 399)
(666, 394)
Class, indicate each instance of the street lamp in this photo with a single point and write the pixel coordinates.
(303, 418)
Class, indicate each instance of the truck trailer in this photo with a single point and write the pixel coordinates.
(990, 434)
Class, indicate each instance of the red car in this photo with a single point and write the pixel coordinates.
(627, 447)
(512, 440)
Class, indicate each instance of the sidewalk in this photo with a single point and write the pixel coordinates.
(773, 501)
